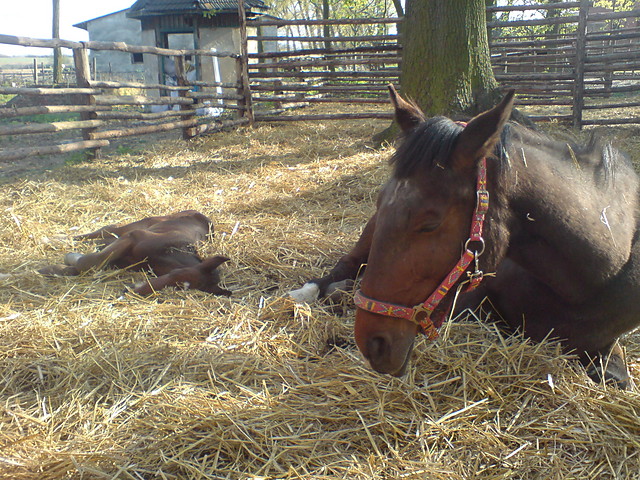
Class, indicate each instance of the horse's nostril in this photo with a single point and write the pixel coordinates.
(376, 347)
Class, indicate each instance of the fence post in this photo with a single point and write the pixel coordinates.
(181, 80)
(243, 64)
(83, 79)
(578, 84)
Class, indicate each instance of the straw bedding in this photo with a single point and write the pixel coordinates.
(97, 383)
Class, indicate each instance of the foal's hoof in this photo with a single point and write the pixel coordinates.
(59, 271)
(610, 369)
(72, 258)
(307, 294)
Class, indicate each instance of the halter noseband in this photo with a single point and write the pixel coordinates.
(421, 313)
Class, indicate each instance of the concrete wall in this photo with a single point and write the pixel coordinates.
(115, 27)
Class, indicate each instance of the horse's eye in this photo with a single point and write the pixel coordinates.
(428, 227)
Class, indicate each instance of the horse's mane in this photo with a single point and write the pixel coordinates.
(431, 143)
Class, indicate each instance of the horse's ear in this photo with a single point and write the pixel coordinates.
(408, 114)
(482, 133)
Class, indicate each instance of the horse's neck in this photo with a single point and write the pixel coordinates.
(570, 232)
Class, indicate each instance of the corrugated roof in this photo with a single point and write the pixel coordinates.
(142, 8)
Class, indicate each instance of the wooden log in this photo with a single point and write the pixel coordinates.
(243, 66)
(325, 63)
(607, 59)
(524, 8)
(612, 105)
(361, 38)
(289, 99)
(322, 51)
(49, 91)
(9, 112)
(83, 79)
(602, 17)
(142, 130)
(318, 88)
(499, 44)
(141, 100)
(38, 42)
(131, 115)
(336, 116)
(118, 46)
(578, 89)
(214, 96)
(181, 79)
(610, 90)
(213, 84)
(525, 77)
(48, 127)
(612, 121)
(532, 23)
(344, 21)
(18, 153)
(142, 86)
(613, 67)
(387, 73)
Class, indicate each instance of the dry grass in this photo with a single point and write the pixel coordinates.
(100, 385)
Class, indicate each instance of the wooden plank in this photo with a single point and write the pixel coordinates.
(337, 116)
(141, 100)
(243, 66)
(188, 132)
(18, 153)
(118, 46)
(321, 51)
(160, 127)
(578, 89)
(360, 38)
(48, 127)
(83, 79)
(49, 91)
(524, 8)
(344, 21)
(142, 86)
(40, 110)
(612, 121)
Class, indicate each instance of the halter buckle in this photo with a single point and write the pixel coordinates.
(476, 253)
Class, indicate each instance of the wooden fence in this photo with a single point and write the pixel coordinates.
(106, 114)
(586, 62)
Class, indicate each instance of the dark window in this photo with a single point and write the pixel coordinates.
(136, 58)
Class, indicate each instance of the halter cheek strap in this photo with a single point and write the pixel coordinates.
(421, 314)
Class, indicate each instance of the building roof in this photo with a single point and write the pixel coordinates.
(84, 25)
(144, 8)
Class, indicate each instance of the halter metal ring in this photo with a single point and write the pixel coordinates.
(480, 240)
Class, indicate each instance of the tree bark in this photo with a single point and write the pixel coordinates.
(446, 67)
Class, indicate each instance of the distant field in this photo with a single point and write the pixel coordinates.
(23, 62)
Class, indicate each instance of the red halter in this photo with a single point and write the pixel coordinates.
(421, 314)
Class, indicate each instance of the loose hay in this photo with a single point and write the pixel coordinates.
(101, 384)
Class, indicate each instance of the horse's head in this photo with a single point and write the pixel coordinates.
(423, 220)
(202, 276)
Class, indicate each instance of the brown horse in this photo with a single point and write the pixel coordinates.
(556, 223)
(164, 244)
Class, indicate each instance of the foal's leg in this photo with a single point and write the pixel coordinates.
(107, 256)
(345, 270)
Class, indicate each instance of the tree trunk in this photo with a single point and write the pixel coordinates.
(446, 67)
